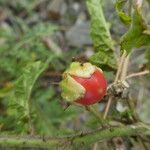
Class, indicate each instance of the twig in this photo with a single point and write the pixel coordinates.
(107, 107)
(138, 74)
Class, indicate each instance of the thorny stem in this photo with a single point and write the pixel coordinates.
(88, 137)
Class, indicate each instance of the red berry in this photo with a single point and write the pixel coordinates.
(83, 84)
(95, 87)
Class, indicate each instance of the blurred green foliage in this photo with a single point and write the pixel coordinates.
(26, 103)
(23, 59)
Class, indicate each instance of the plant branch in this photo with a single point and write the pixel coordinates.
(95, 113)
(107, 106)
(138, 74)
(89, 137)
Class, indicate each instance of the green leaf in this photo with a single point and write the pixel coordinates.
(126, 19)
(103, 58)
(137, 35)
(20, 97)
(100, 35)
(99, 27)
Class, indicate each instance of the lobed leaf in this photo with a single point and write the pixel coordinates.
(20, 97)
(138, 33)
(100, 35)
(99, 27)
(102, 58)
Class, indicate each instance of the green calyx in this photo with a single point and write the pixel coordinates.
(84, 70)
(71, 89)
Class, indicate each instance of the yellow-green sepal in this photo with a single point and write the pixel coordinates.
(84, 70)
(71, 89)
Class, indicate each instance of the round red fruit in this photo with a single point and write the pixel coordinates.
(95, 87)
(83, 84)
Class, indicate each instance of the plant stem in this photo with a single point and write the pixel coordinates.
(121, 61)
(138, 74)
(95, 113)
(124, 68)
(107, 107)
(89, 137)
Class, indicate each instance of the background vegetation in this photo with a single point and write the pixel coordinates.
(39, 39)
